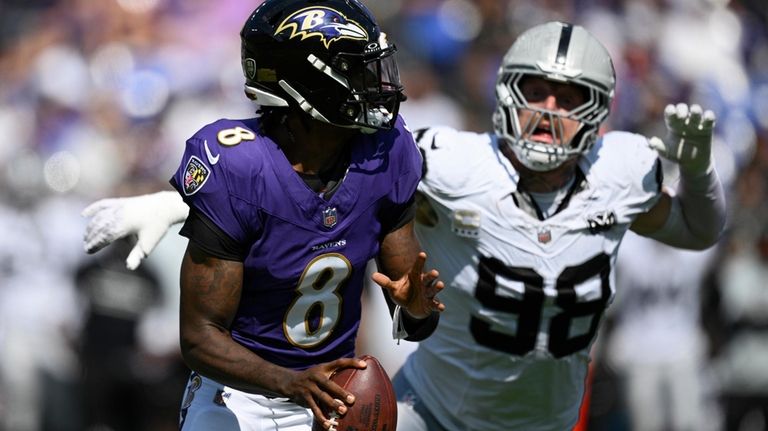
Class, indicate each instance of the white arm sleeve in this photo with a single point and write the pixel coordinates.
(697, 216)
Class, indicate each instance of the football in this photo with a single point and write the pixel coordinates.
(375, 407)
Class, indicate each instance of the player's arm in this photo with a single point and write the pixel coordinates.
(401, 274)
(693, 216)
(211, 287)
(148, 217)
(410, 292)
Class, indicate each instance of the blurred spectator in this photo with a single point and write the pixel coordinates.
(116, 370)
(39, 312)
(738, 300)
(742, 289)
(657, 344)
(427, 104)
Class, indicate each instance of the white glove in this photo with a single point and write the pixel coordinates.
(689, 137)
(146, 216)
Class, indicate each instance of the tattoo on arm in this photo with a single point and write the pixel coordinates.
(399, 250)
(210, 295)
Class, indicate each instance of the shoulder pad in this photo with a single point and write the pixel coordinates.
(454, 159)
(623, 153)
(232, 144)
(624, 161)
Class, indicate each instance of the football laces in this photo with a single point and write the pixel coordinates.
(334, 422)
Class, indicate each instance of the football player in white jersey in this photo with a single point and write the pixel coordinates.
(524, 225)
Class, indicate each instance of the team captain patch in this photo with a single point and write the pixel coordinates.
(195, 175)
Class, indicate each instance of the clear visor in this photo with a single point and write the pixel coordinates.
(370, 73)
(381, 74)
(374, 83)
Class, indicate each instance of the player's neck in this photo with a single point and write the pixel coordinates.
(543, 182)
(311, 146)
(547, 182)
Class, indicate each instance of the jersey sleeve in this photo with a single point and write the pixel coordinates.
(410, 165)
(454, 161)
(399, 207)
(635, 170)
(208, 179)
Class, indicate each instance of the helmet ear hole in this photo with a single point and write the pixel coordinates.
(340, 64)
(350, 111)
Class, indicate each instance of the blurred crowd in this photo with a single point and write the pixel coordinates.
(98, 97)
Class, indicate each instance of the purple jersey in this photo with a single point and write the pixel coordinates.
(305, 267)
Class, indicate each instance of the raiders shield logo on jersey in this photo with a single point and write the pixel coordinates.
(601, 222)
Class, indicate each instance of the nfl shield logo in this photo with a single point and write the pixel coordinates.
(329, 217)
(545, 236)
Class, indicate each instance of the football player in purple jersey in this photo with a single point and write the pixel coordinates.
(286, 210)
(527, 247)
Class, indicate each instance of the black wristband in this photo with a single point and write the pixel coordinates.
(419, 329)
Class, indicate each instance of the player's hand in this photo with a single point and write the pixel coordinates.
(313, 388)
(148, 217)
(689, 137)
(416, 291)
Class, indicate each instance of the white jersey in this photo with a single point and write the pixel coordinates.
(524, 296)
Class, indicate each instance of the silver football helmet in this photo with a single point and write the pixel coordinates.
(563, 53)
